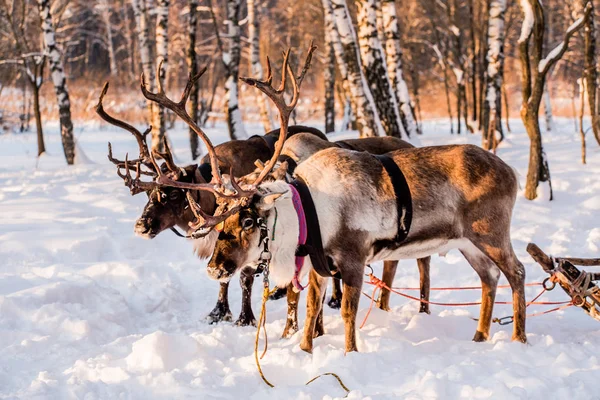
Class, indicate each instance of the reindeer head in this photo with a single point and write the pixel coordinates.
(167, 206)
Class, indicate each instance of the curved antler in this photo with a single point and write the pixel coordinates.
(277, 97)
(179, 108)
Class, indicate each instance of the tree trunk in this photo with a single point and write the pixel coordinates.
(231, 59)
(128, 36)
(538, 165)
(366, 114)
(591, 74)
(506, 106)
(329, 78)
(38, 119)
(112, 60)
(582, 83)
(393, 52)
(193, 70)
(145, 49)
(256, 66)
(473, 58)
(492, 111)
(374, 67)
(548, 110)
(59, 80)
(162, 56)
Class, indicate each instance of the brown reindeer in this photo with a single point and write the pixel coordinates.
(299, 148)
(168, 208)
(461, 197)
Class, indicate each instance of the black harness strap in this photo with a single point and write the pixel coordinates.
(403, 197)
(206, 171)
(314, 243)
(268, 139)
(291, 163)
(344, 145)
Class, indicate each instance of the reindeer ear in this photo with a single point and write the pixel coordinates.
(280, 173)
(266, 200)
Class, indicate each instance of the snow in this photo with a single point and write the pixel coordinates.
(88, 310)
(528, 20)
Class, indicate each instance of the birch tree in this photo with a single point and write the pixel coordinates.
(367, 118)
(162, 60)
(231, 60)
(333, 38)
(140, 14)
(492, 111)
(375, 69)
(590, 74)
(534, 70)
(255, 65)
(329, 78)
(393, 52)
(59, 80)
(104, 9)
(192, 26)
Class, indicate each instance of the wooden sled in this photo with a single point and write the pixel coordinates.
(579, 285)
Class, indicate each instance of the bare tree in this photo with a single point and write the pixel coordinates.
(59, 80)
(162, 60)
(105, 10)
(193, 71)
(329, 78)
(375, 68)
(590, 73)
(533, 78)
(393, 52)
(366, 114)
(492, 111)
(231, 60)
(142, 25)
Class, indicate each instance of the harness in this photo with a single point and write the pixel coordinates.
(268, 140)
(403, 197)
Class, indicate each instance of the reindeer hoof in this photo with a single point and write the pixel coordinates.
(307, 347)
(219, 314)
(278, 294)
(520, 338)
(480, 337)
(334, 303)
(246, 320)
(289, 331)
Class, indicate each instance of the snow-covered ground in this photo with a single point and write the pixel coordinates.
(88, 310)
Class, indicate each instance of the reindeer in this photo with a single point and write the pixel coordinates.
(300, 147)
(168, 208)
(459, 196)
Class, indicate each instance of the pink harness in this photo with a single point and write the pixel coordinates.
(302, 233)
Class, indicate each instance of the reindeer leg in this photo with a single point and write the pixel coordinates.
(504, 257)
(291, 323)
(335, 301)
(389, 271)
(488, 273)
(425, 283)
(246, 315)
(353, 281)
(319, 325)
(314, 304)
(221, 312)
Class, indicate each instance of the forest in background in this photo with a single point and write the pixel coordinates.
(381, 66)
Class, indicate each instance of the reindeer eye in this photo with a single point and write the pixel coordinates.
(247, 223)
(174, 195)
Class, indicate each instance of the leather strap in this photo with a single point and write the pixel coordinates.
(403, 197)
(292, 165)
(344, 145)
(314, 242)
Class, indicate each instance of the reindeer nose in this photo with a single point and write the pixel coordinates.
(142, 227)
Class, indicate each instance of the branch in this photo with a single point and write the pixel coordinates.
(557, 53)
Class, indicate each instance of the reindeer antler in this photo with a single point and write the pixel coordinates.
(277, 97)
(236, 200)
(179, 109)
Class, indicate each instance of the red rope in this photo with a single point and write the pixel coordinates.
(379, 284)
